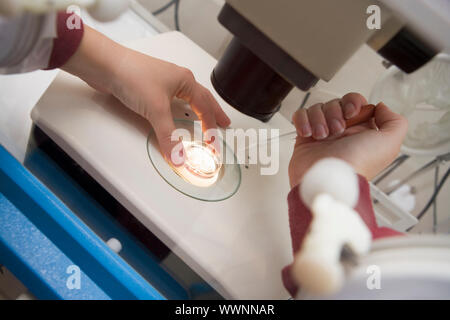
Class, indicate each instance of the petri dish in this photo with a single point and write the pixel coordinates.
(204, 175)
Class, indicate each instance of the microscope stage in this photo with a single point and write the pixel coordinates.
(239, 245)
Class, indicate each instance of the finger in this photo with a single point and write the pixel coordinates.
(301, 123)
(204, 104)
(334, 117)
(318, 122)
(171, 148)
(200, 104)
(366, 113)
(221, 117)
(201, 101)
(206, 108)
(388, 121)
(351, 104)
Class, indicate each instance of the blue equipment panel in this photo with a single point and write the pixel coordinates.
(43, 243)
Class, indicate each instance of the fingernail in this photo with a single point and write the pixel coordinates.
(306, 131)
(210, 140)
(177, 155)
(320, 132)
(227, 123)
(349, 110)
(336, 126)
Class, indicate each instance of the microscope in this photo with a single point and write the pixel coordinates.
(281, 44)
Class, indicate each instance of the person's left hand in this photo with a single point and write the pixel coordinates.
(368, 147)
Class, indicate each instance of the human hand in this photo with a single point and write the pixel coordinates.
(144, 84)
(148, 85)
(368, 147)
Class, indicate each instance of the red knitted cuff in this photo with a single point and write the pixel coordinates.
(300, 218)
(70, 32)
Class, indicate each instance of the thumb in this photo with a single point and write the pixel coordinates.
(390, 122)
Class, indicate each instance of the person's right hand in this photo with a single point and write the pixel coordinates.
(368, 147)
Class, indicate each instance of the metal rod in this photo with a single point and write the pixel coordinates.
(426, 167)
(305, 100)
(164, 7)
(176, 15)
(435, 194)
(436, 179)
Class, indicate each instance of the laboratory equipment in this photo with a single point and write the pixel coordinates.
(409, 267)
(281, 44)
(423, 98)
(33, 220)
(339, 258)
(330, 189)
(237, 245)
(204, 175)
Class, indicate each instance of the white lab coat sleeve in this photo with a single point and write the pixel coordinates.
(26, 42)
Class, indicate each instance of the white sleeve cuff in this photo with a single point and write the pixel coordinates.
(27, 42)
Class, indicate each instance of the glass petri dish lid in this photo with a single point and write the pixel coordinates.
(204, 175)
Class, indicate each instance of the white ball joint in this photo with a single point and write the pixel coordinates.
(108, 10)
(330, 189)
(331, 176)
(114, 245)
(101, 10)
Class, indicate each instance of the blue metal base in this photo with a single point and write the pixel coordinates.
(42, 242)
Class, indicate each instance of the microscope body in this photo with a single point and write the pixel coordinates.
(285, 43)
